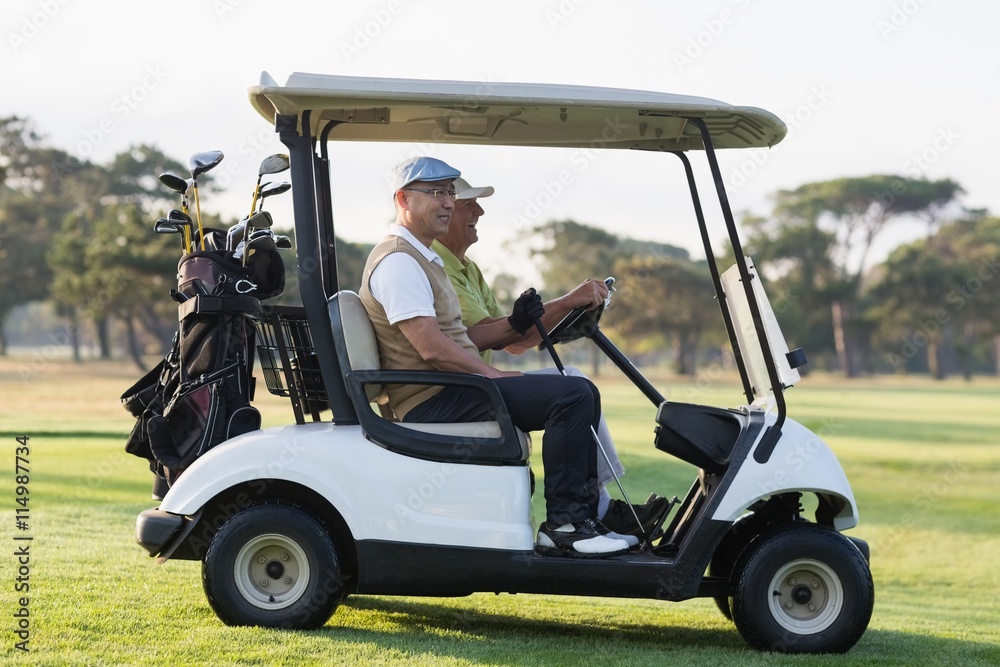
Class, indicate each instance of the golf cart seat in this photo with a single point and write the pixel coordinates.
(492, 442)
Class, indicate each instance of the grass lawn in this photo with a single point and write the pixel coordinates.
(922, 457)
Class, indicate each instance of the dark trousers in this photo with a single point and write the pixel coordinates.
(564, 407)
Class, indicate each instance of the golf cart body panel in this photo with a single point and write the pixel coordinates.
(407, 500)
(510, 114)
(801, 462)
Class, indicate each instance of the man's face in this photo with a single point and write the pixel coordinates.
(462, 231)
(428, 216)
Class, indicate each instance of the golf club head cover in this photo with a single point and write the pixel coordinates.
(527, 308)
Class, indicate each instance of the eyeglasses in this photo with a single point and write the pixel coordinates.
(437, 194)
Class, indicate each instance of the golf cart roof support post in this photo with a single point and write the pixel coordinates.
(324, 197)
(720, 294)
(777, 390)
(310, 237)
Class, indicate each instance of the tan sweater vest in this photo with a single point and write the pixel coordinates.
(394, 350)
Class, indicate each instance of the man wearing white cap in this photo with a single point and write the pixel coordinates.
(480, 306)
(418, 322)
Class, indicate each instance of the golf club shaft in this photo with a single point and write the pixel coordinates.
(600, 446)
(253, 201)
(197, 209)
(187, 229)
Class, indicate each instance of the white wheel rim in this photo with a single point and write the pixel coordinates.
(271, 571)
(805, 596)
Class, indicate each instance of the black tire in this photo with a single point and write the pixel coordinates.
(802, 588)
(275, 566)
(740, 534)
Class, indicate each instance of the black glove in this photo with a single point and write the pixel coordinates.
(527, 309)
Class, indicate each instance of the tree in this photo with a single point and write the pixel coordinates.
(571, 252)
(939, 293)
(847, 215)
(666, 302)
(134, 177)
(568, 252)
(41, 186)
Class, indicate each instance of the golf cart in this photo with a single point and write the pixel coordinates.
(289, 520)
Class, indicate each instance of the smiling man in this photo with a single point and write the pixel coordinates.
(480, 307)
(418, 323)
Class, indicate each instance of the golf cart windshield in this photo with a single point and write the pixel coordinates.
(311, 111)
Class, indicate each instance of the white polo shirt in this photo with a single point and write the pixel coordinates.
(400, 285)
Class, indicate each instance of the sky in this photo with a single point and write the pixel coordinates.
(878, 86)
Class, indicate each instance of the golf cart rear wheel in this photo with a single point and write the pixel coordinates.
(802, 588)
(273, 566)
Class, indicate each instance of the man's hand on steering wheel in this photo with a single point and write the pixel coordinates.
(589, 294)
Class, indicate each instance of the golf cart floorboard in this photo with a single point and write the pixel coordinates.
(446, 571)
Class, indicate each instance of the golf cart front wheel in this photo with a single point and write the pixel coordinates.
(802, 588)
(273, 566)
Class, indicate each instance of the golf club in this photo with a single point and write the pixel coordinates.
(165, 226)
(259, 221)
(237, 231)
(179, 185)
(271, 189)
(199, 164)
(183, 222)
(272, 164)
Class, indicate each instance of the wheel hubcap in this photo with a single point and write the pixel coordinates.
(271, 571)
(806, 596)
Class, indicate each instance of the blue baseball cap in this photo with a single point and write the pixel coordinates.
(421, 168)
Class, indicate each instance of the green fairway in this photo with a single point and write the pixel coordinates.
(922, 456)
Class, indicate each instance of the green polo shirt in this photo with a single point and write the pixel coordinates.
(477, 299)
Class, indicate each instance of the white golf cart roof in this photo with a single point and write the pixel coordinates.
(511, 114)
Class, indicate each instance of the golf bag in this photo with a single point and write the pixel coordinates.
(200, 394)
(215, 271)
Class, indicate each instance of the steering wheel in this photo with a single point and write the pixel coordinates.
(580, 322)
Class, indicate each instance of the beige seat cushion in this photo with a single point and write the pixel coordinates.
(362, 351)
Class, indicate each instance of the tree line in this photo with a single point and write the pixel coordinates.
(931, 306)
(79, 235)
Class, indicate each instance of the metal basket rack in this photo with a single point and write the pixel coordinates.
(288, 360)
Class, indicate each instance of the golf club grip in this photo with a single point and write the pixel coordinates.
(548, 345)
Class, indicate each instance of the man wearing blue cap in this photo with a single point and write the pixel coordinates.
(418, 322)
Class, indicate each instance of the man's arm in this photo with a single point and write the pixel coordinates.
(590, 293)
(443, 353)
